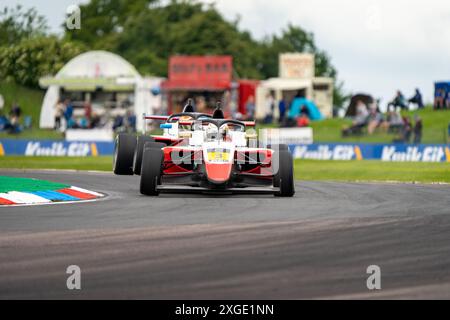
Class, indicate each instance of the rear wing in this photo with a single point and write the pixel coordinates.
(185, 122)
(154, 117)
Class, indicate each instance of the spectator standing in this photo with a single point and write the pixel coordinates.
(270, 107)
(200, 104)
(439, 99)
(250, 108)
(59, 113)
(88, 111)
(418, 126)
(68, 110)
(118, 122)
(131, 121)
(282, 109)
(417, 99)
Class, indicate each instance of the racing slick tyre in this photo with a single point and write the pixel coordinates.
(151, 168)
(137, 160)
(154, 145)
(277, 148)
(123, 154)
(284, 179)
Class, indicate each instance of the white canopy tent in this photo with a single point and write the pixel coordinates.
(318, 89)
(278, 86)
(99, 70)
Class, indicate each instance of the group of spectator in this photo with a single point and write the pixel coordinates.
(64, 116)
(10, 122)
(371, 118)
(283, 107)
(125, 123)
(401, 102)
(250, 108)
(442, 100)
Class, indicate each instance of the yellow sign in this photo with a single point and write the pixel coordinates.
(218, 156)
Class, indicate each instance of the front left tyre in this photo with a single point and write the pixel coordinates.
(124, 154)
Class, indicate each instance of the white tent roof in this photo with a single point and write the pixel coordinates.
(286, 84)
(97, 64)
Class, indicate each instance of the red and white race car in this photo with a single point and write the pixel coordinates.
(204, 153)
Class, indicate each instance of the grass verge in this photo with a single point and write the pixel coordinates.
(304, 169)
(103, 163)
(372, 170)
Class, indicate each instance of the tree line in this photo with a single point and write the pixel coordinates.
(147, 33)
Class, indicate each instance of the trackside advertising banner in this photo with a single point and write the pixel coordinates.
(383, 152)
(315, 151)
(55, 148)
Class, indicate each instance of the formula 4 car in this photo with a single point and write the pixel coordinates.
(205, 153)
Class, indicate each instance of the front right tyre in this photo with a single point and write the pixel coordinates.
(284, 179)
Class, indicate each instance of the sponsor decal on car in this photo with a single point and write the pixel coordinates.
(218, 155)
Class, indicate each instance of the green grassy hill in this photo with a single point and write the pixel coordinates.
(434, 128)
(30, 100)
(329, 130)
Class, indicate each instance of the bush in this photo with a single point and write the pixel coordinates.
(33, 58)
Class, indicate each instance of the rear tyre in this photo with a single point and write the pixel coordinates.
(285, 175)
(137, 160)
(154, 145)
(151, 169)
(123, 154)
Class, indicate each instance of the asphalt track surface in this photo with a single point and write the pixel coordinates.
(315, 245)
